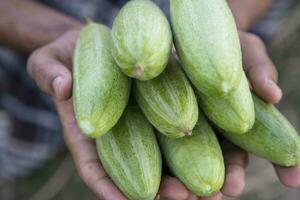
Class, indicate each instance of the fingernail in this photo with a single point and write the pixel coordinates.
(272, 82)
(158, 197)
(57, 85)
(276, 90)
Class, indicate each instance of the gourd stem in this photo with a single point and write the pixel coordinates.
(138, 71)
(188, 133)
(88, 20)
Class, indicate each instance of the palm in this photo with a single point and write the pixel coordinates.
(84, 153)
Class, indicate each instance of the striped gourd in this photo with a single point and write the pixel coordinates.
(130, 155)
(233, 112)
(100, 89)
(272, 136)
(207, 43)
(142, 39)
(196, 160)
(168, 101)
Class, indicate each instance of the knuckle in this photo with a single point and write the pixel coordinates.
(36, 60)
(32, 63)
(82, 172)
(252, 38)
(83, 169)
(237, 157)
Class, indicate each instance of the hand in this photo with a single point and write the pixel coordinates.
(51, 66)
(262, 75)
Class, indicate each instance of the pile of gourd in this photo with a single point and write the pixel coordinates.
(162, 114)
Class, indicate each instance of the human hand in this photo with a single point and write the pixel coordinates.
(51, 66)
(262, 76)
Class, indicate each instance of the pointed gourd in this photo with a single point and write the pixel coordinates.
(168, 101)
(142, 39)
(100, 89)
(207, 43)
(233, 112)
(272, 136)
(196, 160)
(130, 155)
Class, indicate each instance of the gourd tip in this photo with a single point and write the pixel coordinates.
(86, 126)
(157, 197)
(88, 20)
(188, 133)
(138, 71)
(226, 87)
(207, 190)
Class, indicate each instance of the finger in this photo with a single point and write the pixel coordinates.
(85, 156)
(172, 189)
(260, 69)
(246, 13)
(51, 76)
(289, 176)
(90, 170)
(216, 196)
(51, 66)
(236, 160)
(192, 197)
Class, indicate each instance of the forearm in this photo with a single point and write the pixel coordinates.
(248, 12)
(26, 25)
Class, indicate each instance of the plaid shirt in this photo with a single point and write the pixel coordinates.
(30, 131)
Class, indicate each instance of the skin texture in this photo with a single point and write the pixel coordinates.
(51, 65)
(21, 29)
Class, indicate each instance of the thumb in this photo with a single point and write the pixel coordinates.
(51, 76)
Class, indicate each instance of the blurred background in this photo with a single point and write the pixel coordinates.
(58, 180)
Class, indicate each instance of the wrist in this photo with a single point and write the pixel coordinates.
(248, 12)
(43, 35)
(28, 25)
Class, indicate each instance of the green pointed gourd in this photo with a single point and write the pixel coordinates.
(272, 136)
(168, 101)
(196, 160)
(100, 89)
(233, 112)
(130, 155)
(142, 39)
(207, 43)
